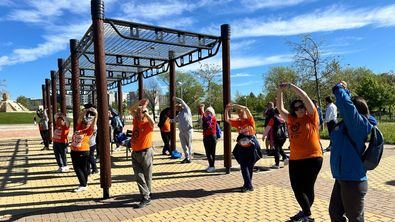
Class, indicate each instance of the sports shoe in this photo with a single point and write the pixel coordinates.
(81, 189)
(210, 169)
(59, 170)
(245, 189)
(297, 217)
(45, 148)
(144, 202)
(117, 148)
(65, 169)
(95, 171)
(286, 161)
(274, 166)
(186, 160)
(306, 219)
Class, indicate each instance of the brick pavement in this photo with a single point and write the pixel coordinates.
(31, 190)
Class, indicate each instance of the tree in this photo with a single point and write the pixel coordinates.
(152, 91)
(23, 101)
(208, 73)
(191, 90)
(274, 77)
(308, 60)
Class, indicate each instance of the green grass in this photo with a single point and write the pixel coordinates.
(16, 118)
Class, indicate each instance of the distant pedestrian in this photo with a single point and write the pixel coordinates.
(348, 144)
(330, 117)
(60, 141)
(247, 149)
(164, 126)
(34, 120)
(44, 127)
(184, 119)
(277, 128)
(117, 127)
(268, 115)
(209, 122)
(143, 153)
(305, 151)
(80, 146)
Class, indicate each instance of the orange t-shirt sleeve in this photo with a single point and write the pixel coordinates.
(234, 123)
(314, 118)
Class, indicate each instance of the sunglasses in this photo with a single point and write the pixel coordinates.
(301, 106)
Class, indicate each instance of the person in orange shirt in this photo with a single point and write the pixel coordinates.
(143, 153)
(60, 140)
(80, 145)
(164, 125)
(305, 150)
(247, 150)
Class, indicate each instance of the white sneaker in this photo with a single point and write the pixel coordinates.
(117, 148)
(274, 166)
(211, 169)
(65, 169)
(286, 162)
(81, 189)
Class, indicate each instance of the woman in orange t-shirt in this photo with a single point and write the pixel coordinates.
(247, 150)
(60, 140)
(306, 155)
(80, 145)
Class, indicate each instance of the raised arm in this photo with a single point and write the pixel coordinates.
(227, 113)
(280, 104)
(183, 104)
(145, 112)
(305, 98)
(244, 108)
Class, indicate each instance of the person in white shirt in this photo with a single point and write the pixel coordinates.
(330, 117)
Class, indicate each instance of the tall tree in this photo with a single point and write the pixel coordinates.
(208, 73)
(23, 101)
(308, 60)
(152, 92)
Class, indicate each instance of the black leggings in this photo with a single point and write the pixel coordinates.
(210, 142)
(303, 174)
(278, 150)
(80, 165)
(45, 136)
(166, 141)
(92, 160)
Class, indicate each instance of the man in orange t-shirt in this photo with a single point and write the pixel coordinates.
(143, 153)
(60, 141)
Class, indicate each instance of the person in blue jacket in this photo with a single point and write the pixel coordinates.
(351, 182)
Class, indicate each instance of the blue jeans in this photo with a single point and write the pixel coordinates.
(60, 153)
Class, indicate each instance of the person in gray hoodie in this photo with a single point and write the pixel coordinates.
(184, 119)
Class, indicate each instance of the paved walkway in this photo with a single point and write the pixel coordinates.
(31, 190)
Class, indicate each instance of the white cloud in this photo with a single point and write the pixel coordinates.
(242, 44)
(238, 75)
(260, 4)
(244, 84)
(52, 44)
(331, 19)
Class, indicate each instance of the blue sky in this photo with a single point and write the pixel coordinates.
(361, 32)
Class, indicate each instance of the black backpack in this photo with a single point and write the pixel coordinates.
(372, 155)
(280, 131)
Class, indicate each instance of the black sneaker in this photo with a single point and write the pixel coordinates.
(95, 171)
(245, 189)
(144, 202)
(307, 219)
(186, 160)
(300, 215)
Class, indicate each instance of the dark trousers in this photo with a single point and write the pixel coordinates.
(60, 153)
(166, 141)
(303, 174)
(210, 142)
(278, 150)
(348, 199)
(45, 136)
(92, 160)
(80, 165)
(330, 125)
(247, 162)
